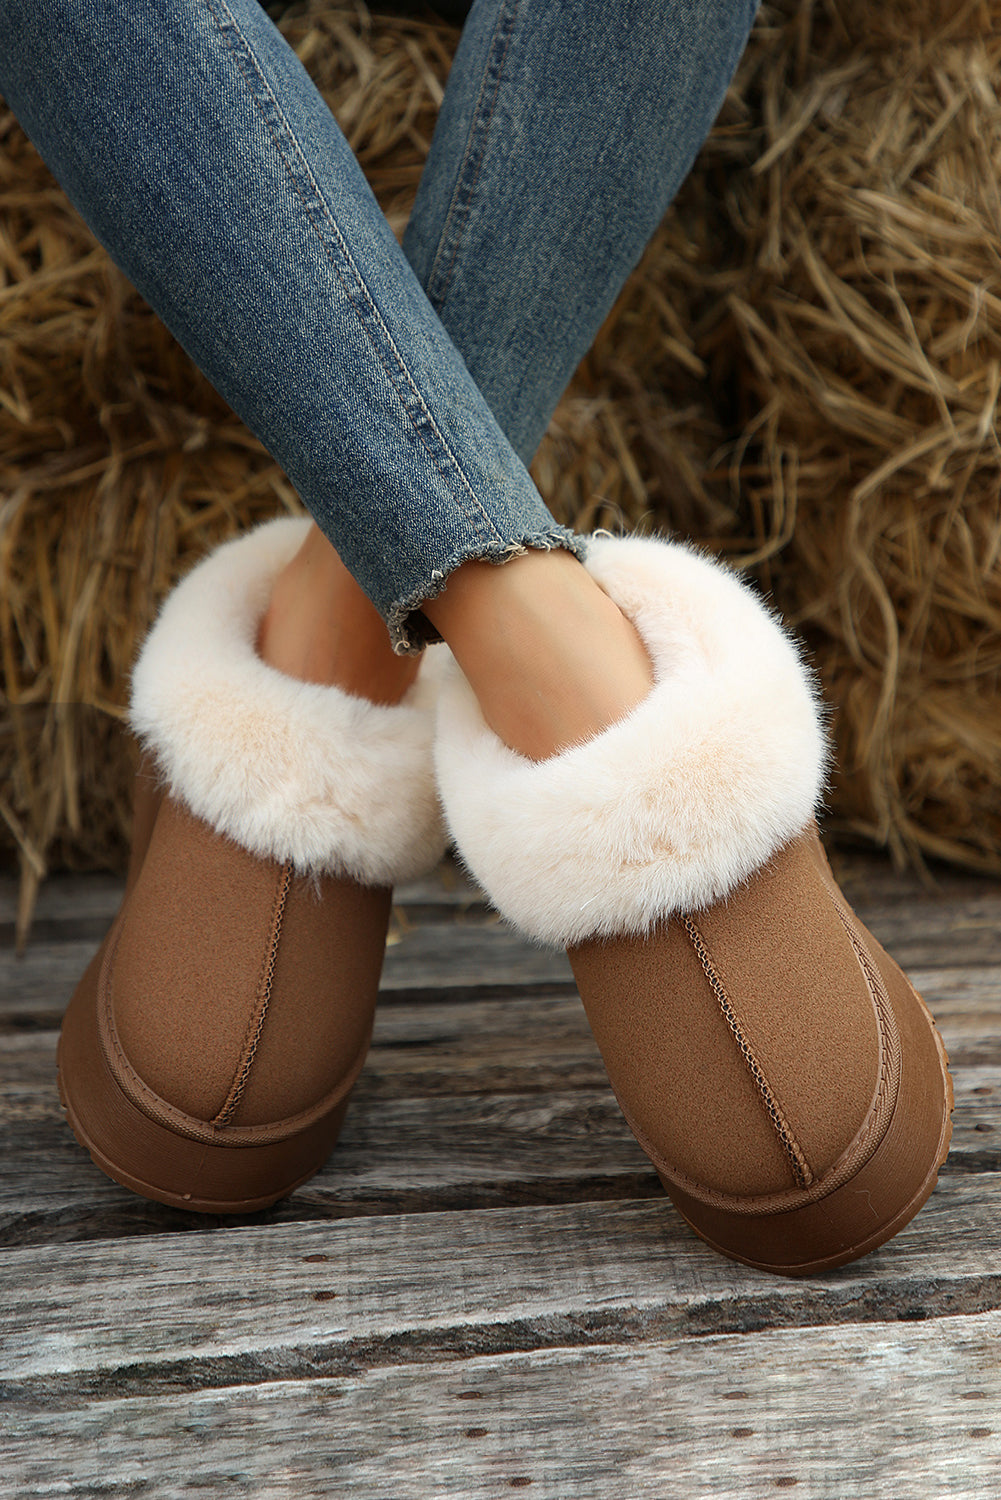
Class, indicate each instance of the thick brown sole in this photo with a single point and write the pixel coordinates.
(889, 1178)
(238, 1172)
(216, 1205)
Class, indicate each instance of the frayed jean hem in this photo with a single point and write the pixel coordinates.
(410, 630)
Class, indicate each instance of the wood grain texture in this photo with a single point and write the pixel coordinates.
(67, 898)
(476, 1124)
(960, 926)
(857, 1413)
(481, 957)
(533, 1044)
(481, 1104)
(449, 1138)
(485, 1289)
(264, 1302)
(482, 960)
(867, 878)
(469, 1152)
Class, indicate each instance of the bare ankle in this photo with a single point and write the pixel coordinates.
(321, 628)
(551, 658)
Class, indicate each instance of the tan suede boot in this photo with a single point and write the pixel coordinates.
(208, 1053)
(774, 1063)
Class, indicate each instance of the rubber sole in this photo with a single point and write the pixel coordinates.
(185, 1200)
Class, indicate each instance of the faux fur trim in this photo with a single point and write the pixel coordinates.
(290, 770)
(678, 803)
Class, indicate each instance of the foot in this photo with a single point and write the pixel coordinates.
(551, 659)
(320, 627)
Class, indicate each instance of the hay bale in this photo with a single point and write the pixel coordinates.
(822, 310)
(802, 371)
(869, 325)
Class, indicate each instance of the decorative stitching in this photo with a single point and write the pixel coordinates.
(256, 1026)
(797, 1161)
(871, 1132)
(889, 1056)
(139, 1093)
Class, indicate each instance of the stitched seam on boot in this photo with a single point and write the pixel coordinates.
(142, 1097)
(870, 1133)
(251, 1040)
(798, 1163)
(874, 1127)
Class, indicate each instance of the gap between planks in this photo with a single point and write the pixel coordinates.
(470, 1152)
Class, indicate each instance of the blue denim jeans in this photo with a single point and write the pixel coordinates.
(402, 390)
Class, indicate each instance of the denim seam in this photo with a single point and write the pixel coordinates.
(476, 513)
(472, 160)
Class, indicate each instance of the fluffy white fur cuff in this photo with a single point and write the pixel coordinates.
(675, 805)
(290, 770)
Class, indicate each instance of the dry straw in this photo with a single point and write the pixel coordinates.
(803, 371)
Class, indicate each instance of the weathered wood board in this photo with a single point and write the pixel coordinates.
(485, 1288)
(884, 1411)
(180, 1311)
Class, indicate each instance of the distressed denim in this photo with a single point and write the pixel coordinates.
(402, 390)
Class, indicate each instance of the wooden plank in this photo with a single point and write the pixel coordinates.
(908, 1411)
(258, 1303)
(928, 936)
(65, 898)
(959, 925)
(68, 900)
(934, 932)
(536, 1038)
(532, 1045)
(470, 1151)
(488, 958)
(456, 958)
(473, 1151)
(84, 905)
(867, 875)
(500, 1142)
(474, 955)
(38, 984)
(537, 1043)
(867, 878)
(574, 1117)
(966, 1004)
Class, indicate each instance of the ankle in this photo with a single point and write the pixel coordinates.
(550, 657)
(321, 628)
